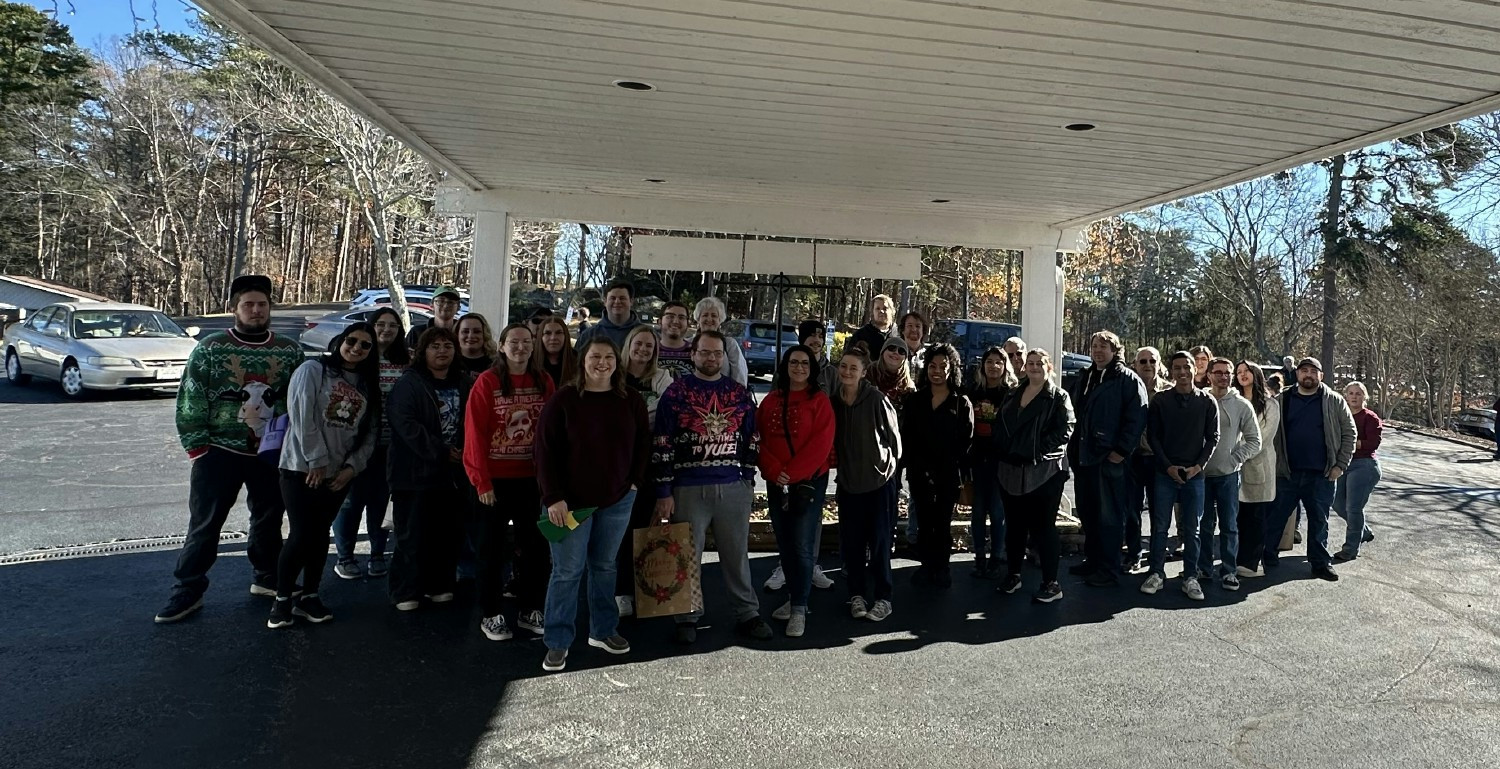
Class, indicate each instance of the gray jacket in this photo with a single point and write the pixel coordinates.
(866, 441)
(1239, 436)
(329, 412)
(1338, 432)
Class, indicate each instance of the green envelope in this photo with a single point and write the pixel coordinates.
(555, 533)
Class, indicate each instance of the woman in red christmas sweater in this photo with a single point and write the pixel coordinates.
(504, 408)
(796, 439)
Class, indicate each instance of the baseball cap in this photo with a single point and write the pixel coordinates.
(447, 291)
(1310, 361)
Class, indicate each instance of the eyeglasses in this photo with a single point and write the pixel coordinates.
(359, 344)
(800, 363)
(675, 316)
(710, 353)
(1145, 362)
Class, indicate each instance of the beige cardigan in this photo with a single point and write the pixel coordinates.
(1258, 475)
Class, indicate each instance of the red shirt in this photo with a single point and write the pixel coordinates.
(1367, 427)
(809, 420)
(500, 430)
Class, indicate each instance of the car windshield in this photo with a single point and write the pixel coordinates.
(116, 324)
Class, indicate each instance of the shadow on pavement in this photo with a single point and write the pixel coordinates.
(40, 391)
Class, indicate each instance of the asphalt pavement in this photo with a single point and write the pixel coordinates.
(1396, 665)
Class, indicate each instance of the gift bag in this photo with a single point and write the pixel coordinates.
(667, 578)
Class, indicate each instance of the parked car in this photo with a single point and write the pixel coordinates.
(757, 339)
(972, 337)
(1072, 363)
(1478, 422)
(415, 294)
(321, 331)
(98, 346)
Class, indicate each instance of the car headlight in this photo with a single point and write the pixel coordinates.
(110, 360)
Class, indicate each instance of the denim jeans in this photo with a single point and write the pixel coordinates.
(1103, 496)
(796, 518)
(1221, 505)
(1188, 500)
(369, 497)
(987, 524)
(1350, 495)
(1314, 492)
(867, 521)
(594, 544)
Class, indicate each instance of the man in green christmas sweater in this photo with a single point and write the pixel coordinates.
(234, 385)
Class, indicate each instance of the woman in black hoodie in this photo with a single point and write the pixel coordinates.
(867, 452)
(1031, 446)
(937, 424)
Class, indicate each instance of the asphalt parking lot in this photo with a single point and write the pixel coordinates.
(1397, 665)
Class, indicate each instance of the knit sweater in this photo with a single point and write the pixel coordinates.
(231, 390)
(500, 429)
(705, 434)
(389, 374)
(592, 447)
(809, 423)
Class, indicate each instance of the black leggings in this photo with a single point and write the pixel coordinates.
(310, 513)
(429, 531)
(1034, 515)
(935, 503)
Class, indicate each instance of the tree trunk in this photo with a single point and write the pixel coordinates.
(1332, 212)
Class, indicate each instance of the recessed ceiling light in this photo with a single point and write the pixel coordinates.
(634, 85)
(941, 200)
(1080, 126)
(655, 181)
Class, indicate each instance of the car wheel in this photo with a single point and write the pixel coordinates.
(71, 379)
(13, 369)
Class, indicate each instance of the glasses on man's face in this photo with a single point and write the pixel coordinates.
(675, 316)
(710, 353)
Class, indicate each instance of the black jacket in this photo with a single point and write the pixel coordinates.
(1038, 432)
(1111, 417)
(936, 440)
(873, 338)
(418, 455)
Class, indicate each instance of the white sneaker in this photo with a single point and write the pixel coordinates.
(440, 597)
(532, 620)
(495, 629)
(796, 626)
(777, 580)
(783, 611)
(626, 605)
(819, 579)
(1152, 584)
(1191, 589)
(1245, 573)
(408, 606)
(857, 607)
(879, 611)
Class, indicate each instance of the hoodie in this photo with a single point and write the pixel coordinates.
(329, 413)
(866, 441)
(616, 332)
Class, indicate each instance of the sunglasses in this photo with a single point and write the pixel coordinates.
(358, 344)
(897, 350)
(1146, 362)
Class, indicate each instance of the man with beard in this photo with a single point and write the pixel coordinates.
(230, 375)
(1314, 447)
(673, 351)
(705, 459)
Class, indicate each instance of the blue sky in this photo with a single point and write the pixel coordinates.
(95, 22)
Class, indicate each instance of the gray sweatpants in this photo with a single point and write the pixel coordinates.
(726, 508)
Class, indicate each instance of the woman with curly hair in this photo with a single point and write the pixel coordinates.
(937, 426)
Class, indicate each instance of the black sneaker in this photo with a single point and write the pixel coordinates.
(1326, 574)
(615, 644)
(311, 609)
(1368, 537)
(1101, 579)
(1050, 592)
(178, 607)
(1082, 569)
(755, 627)
(686, 633)
(281, 613)
(556, 660)
(1011, 584)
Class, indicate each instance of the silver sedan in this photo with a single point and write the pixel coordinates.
(98, 346)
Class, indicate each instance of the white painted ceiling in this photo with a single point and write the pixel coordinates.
(886, 105)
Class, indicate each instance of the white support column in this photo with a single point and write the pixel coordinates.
(1042, 300)
(489, 287)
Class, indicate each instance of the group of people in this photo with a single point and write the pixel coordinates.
(472, 438)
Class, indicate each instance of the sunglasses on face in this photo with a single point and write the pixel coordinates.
(1145, 362)
(358, 344)
(896, 350)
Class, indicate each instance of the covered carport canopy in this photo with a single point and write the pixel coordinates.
(990, 123)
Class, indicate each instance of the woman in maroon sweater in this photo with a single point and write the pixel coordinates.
(592, 449)
(1356, 484)
(796, 438)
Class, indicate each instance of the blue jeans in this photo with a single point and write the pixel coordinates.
(1350, 495)
(369, 497)
(796, 527)
(595, 544)
(1188, 497)
(1314, 492)
(987, 525)
(1221, 505)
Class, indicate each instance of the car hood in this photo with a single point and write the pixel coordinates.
(140, 348)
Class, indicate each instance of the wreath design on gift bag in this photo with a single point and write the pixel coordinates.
(685, 561)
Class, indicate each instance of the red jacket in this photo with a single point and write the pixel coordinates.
(809, 420)
(500, 430)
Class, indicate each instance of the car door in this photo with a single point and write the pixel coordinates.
(52, 343)
(26, 340)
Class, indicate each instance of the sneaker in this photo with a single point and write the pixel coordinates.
(179, 606)
(686, 633)
(1153, 583)
(1191, 588)
(857, 607)
(1082, 569)
(1296, 536)
(1011, 584)
(1344, 555)
(532, 620)
(281, 614)
(626, 605)
(440, 597)
(755, 627)
(797, 625)
(509, 591)
(1326, 573)
(1247, 573)
(777, 580)
(1229, 582)
(556, 660)
(408, 605)
(1369, 536)
(615, 644)
(1101, 579)
(783, 611)
(1050, 592)
(819, 579)
(348, 569)
(377, 566)
(311, 609)
(267, 589)
(879, 611)
(494, 628)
